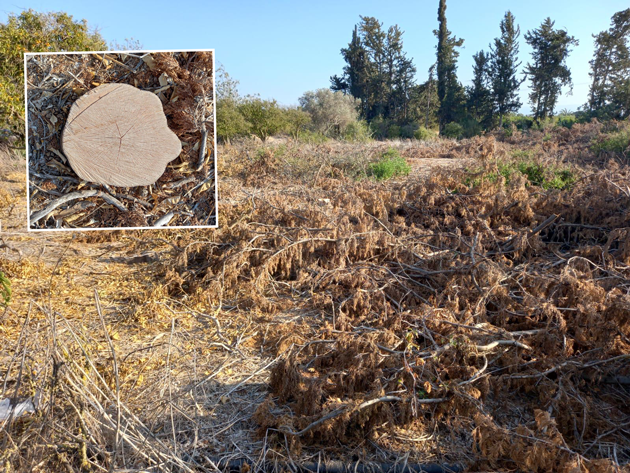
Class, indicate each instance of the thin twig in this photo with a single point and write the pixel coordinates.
(116, 378)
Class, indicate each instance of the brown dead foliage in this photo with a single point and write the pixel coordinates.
(447, 317)
(434, 300)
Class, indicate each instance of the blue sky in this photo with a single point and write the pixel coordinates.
(280, 49)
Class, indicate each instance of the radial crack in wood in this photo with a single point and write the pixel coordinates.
(117, 134)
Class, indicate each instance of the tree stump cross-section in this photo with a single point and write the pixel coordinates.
(116, 134)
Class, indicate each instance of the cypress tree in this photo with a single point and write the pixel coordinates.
(504, 67)
(479, 103)
(549, 71)
(356, 76)
(609, 93)
(450, 93)
(377, 71)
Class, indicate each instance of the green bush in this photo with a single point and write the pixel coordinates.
(379, 127)
(566, 120)
(358, 131)
(471, 127)
(32, 31)
(5, 289)
(424, 134)
(534, 172)
(393, 132)
(537, 174)
(265, 117)
(453, 130)
(617, 143)
(562, 179)
(407, 131)
(312, 137)
(521, 122)
(295, 121)
(391, 164)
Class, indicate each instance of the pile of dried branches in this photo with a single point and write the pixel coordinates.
(183, 196)
(463, 318)
(497, 312)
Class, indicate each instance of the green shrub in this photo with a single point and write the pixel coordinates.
(265, 117)
(453, 130)
(32, 31)
(379, 127)
(312, 137)
(534, 172)
(424, 134)
(566, 121)
(537, 174)
(562, 179)
(393, 132)
(617, 143)
(471, 127)
(5, 289)
(521, 122)
(391, 164)
(358, 131)
(408, 130)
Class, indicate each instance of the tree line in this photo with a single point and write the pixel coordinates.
(380, 75)
(377, 93)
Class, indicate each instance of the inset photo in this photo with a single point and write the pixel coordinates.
(121, 140)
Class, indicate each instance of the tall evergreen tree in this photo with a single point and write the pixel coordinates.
(355, 77)
(373, 38)
(377, 71)
(504, 67)
(423, 102)
(610, 69)
(549, 71)
(479, 100)
(450, 91)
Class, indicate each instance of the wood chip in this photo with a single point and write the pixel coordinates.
(117, 135)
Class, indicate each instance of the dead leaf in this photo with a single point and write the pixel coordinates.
(149, 61)
(161, 89)
(61, 156)
(205, 187)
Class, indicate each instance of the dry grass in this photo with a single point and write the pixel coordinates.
(450, 317)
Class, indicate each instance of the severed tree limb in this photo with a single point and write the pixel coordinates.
(164, 219)
(363, 405)
(509, 245)
(570, 363)
(202, 148)
(496, 343)
(35, 217)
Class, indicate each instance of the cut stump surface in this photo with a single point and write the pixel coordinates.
(117, 134)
